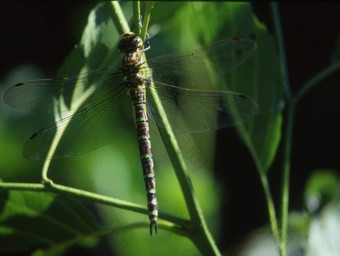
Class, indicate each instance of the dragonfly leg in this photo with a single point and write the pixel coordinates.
(146, 43)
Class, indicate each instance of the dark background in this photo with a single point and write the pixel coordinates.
(44, 34)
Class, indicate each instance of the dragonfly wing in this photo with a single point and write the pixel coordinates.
(202, 67)
(190, 110)
(40, 95)
(86, 130)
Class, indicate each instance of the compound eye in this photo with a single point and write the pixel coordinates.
(138, 42)
(130, 43)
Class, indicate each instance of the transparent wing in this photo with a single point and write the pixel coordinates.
(190, 110)
(206, 66)
(101, 117)
(88, 129)
(39, 95)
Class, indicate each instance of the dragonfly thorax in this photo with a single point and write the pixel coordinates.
(131, 69)
(130, 43)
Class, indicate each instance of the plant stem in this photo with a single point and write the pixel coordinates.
(288, 134)
(118, 17)
(265, 185)
(136, 17)
(280, 41)
(89, 196)
(146, 20)
(315, 80)
(285, 178)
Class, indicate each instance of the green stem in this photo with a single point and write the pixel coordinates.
(121, 25)
(315, 80)
(280, 41)
(288, 136)
(265, 185)
(118, 17)
(89, 196)
(146, 19)
(21, 186)
(136, 17)
(285, 178)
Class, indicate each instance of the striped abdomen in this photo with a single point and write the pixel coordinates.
(143, 136)
(135, 83)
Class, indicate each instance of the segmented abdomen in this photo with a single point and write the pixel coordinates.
(135, 83)
(143, 137)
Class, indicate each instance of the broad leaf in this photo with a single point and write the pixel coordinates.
(260, 77)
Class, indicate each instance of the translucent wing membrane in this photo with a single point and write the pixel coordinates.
(193, 110)
(39, 95)
(85, 131)
(202, 67)
(200, 110)
(98, 120)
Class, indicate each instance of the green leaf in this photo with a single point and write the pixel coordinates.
(31, 220)
(260, 78)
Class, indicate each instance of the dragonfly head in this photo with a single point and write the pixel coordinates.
(130, 43)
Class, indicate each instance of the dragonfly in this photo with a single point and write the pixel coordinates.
(113, 95)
